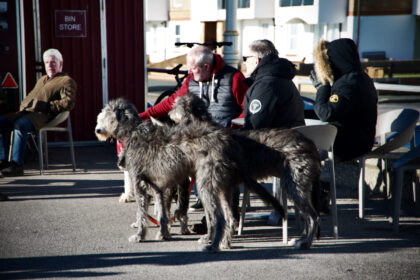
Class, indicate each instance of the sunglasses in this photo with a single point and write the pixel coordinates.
(246, 57)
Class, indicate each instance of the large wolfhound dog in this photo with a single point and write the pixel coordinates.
(284, 153)
(160, 157)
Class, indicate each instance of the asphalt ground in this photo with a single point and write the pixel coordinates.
(70, 225)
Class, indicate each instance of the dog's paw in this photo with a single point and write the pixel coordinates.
(134, 225)
(162, 236)
(124, 198)
(135, 239)
(226, 244)
(298, 244)
(211, 249)
(204, 239)
(185, 230)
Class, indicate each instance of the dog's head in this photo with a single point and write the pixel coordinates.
(115, 112)
(189, 108)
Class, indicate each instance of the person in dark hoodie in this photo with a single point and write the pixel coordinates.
(272, 101)
(346, 97)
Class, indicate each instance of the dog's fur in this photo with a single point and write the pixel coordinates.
(284, 153)
(160, 157)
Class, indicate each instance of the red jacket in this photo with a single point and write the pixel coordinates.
(162, 109)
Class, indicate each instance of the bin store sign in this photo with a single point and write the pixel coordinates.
(70, 23)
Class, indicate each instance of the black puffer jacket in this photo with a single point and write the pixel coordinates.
(273, 99)
(350, 103)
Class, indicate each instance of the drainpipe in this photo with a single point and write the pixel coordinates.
(230, 53)
(358, 24)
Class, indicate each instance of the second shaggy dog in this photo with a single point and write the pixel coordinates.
(284, 153)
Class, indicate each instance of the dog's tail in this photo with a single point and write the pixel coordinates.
(263, 194)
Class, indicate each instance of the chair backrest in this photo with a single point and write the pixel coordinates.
(401, 122)
(395, 121)
(61, 117)
(410, 157)
(323, 136)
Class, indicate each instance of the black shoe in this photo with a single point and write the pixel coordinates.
(13, 170)
(4, 164)
(196, 206)
(3, 197)
(200, 228)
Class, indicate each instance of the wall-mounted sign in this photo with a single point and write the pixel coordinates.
(70, 23)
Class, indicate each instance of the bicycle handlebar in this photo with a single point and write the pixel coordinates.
(173, 71)
(212, 44)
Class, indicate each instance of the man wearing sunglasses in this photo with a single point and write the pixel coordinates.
(272, 99)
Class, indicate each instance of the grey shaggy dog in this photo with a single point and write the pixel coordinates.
(284, 153)
(159, 157)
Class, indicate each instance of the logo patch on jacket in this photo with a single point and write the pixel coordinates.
(334, 98)
(255, 106)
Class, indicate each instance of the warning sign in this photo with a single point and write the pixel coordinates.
(9, 82)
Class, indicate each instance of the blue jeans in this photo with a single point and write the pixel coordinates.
(21, 127)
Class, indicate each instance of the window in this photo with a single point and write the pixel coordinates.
(221, 4)
(177, 3)
(264, 29)
(244, 3)
(293, 33)
(177, 33)
(290, 3)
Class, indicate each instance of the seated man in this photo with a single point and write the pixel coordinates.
(52, 94)
(272, 101)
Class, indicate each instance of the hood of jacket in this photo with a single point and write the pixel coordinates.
(218, 63)
(335, 59)
(272, 65)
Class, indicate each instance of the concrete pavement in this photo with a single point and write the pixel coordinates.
(66, 225)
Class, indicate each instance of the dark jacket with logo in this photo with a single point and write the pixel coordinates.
(273, 99)
(347, 98)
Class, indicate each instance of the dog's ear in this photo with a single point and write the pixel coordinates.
(118, 114)
(156, 122)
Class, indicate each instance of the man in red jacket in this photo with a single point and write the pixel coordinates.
(219, 85)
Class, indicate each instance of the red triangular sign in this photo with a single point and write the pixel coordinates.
(9, 82)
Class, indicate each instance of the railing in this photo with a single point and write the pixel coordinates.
(379, 86)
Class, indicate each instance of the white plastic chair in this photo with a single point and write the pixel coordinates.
(401, 124)
(408, 161)
(42, 138)
(323, 137)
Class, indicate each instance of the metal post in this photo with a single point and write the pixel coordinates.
(230, 53)
(104, 51)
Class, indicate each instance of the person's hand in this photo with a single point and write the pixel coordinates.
(41, 106)
(314, 79)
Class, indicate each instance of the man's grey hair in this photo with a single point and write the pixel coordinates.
(202, 55)
(263, 48)
(52, 52)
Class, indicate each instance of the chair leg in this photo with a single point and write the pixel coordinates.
(283, 199)
(397, 198)
(73, 160)
(12, 138)
(333, 197)
(362, 188)
(45, 143)
(245, 199)
(40, 154)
